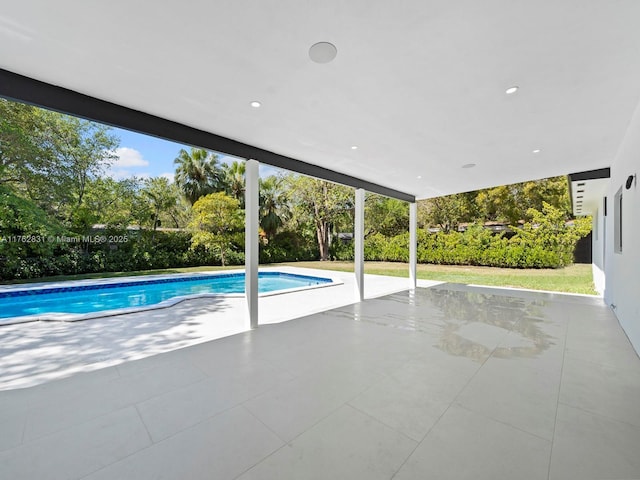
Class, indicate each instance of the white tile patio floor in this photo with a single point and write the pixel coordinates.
(37, 352)
(448, 382)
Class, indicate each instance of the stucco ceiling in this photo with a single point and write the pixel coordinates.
(417, 85)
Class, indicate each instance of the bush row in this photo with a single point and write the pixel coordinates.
(142, 250)
(547, 243)
(529, 248)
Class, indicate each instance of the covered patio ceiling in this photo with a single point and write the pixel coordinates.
(419, 87)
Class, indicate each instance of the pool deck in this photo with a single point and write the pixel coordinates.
(96, 284)
(37, 352)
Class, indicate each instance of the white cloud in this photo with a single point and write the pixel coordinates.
(127, 161)
(129, 157)
(119, 174)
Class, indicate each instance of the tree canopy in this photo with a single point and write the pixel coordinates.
(198, 173)
(216, 218)
(506, 203)
(325, 205)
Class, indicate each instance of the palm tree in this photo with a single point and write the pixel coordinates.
(161, 198)
(234, 181)
(198, 173)
(272, 205)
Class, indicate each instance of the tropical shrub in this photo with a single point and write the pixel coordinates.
(545, 242)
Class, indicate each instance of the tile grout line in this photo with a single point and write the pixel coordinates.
(146, 429)
(596, 414)
(120, 407)
(456, 398)
(284, 443)
(24, 427)
(208, 417)
(489, 417)
(555, 421)
(382, 423)
(573, 357)
(301, 433)
(154, 442)
(290, 441)
(447, 409)
(130, 454)
(242, 405)
(502, 422)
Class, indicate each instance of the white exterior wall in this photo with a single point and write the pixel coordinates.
(597, 252)
(622, 270)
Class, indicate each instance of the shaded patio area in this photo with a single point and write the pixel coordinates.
(445, 382)
(37, 352)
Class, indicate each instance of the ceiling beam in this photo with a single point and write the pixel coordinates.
(590, 174)
(28, 90)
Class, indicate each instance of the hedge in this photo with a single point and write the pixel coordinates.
(547, 242)
(536, 246)
(142, 250)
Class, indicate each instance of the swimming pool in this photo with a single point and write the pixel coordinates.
(107, 298)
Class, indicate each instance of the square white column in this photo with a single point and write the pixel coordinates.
(251, 251)
(358, 236)
(413, 245)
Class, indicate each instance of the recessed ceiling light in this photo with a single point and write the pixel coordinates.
(323, 52)
(419, 177)
(354, 147)
(537, 150)
(468, 165)
(255, 104)
(511, 90)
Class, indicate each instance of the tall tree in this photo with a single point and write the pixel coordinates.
(110, 202)
(160, 196)
(216, 217)
(50, 158)
(511, 203)
(387, 216)
(234, 180)
(198, 173)
(447, 212)
(325, 204)
(20, 149)
(85, 150)
(273, 206)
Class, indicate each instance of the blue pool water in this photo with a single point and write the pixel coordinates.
(140, 293)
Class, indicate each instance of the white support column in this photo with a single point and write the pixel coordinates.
(358, 236)
(413, 245)
(251, 252)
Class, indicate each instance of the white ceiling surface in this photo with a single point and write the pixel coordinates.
(586, 195)
(417, 85)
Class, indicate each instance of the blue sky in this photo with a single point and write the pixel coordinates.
(145, 156)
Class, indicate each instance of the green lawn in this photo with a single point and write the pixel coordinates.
(573, 279)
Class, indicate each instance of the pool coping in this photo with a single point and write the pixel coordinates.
(78, 317)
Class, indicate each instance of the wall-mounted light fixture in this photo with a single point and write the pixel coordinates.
(630, 181)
